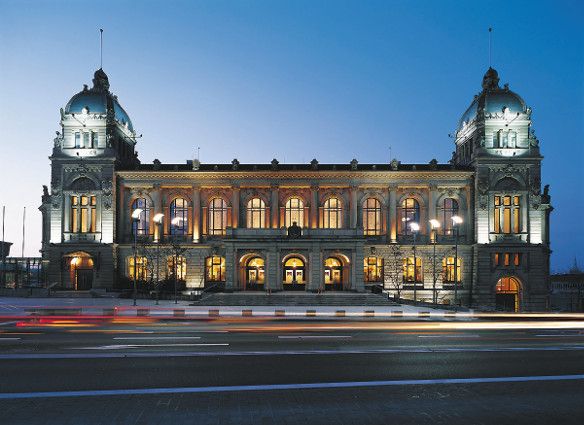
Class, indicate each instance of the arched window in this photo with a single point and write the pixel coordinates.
(448, 273)
(215, 269)
(408, 270)
(450, 209)
(177, 265)
(141, 225)
(83, 213)
(294, 212)
(507, 214)
(372, 217)
(409, 213)
(256, 213)
(217, 220)
(373, 271)
(332, 214)
(141, 268)
(179, 217)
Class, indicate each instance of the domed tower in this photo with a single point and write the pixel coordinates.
(511, 222)
(96, 138)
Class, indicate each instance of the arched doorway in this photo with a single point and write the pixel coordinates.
(255, 274)
(508, 294)
(294, 274)
(333, 274)
(80, 266)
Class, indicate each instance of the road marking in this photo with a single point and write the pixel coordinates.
(156, 337)
(280, 387)
(132, 346)
(312, 336)
(562, 335)
(7, 323)
(449, 336)
(9, 339)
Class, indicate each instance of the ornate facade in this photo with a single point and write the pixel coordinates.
(473, 231)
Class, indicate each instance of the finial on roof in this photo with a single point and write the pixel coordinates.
(491, 79)
(100, 81)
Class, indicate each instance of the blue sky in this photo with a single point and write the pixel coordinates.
(292, 80)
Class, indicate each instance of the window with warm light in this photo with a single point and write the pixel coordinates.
(408, 270)
(507, 214)
(332, 214)
(372, 217)
(449, 274)
(215, 269)
(409, 213)
(294, 212)
(256, 213)
(373, 269)
(141, 268)
(177, 265)
(179, 217)
(449, 210)
(217, 217)
(141, 224)
(83, 213)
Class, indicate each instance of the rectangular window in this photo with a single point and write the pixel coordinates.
(517, 259)
(408, 270)
(448, 272)
(84, 221)
(512, 139)
(497, 215)
(93, 140)
(516, 215)
(506, 261)
(86, 140)
(496, 259)
(77, 140)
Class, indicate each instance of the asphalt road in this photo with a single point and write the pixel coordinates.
(269, 371)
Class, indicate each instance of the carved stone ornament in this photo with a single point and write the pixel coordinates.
(434, 164)
(275, 163)
(394, 164)
(235, 164)
(354, 164)
(107, 187)
(483, 201)
(314, 164)
(157, 164)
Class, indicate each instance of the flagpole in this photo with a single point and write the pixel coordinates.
(23, 230)
(3, 280)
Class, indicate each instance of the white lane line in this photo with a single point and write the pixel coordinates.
(155, 354)
(562, 335)
(276, 387)
(312, 336)
(449, 336)
(9, 339)
(131, 346)
(156, 337)
(7, 323)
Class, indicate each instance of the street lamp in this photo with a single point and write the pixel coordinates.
(135, 220)
(158, 220)
(176, 223)
(456, 222)
(434, 225)
(415, 227)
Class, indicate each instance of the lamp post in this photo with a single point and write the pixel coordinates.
(434, 225)
(158, 220)
(415, 227)
(456, 222)
(176, 222)
(135, 220)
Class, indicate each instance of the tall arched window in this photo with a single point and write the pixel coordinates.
(217, 220)
(507, 214)
(450, 209)
(256, 213)
(141, 225)
(179, 217)
(83, 213)
(332, 214)
(371, 217)
(409, 213)
(294, 212)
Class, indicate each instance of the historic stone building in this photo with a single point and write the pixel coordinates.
(475, 229)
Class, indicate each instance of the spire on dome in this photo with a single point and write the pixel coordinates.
(491, 79)
(100, 81)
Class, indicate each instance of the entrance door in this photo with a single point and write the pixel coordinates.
(255, 274)
(294, 274)
(84, 279)
(508, 294)
(333, 274)
(80, 266)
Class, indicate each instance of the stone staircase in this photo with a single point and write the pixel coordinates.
(294, 299)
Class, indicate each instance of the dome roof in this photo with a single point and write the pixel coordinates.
(98, 100)
(493, 99)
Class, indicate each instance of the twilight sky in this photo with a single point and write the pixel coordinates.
(294, 80)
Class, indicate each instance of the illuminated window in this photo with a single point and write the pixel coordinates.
(177, 265)
(141, 225)
(217, 217)
(215, 269)
(179, 217)
(333, 271)
(408, 270)
(141, 269)
(294, 212)
(448, 273)
(507, 214)
(78, 140)
(516, 259)
(255, 269)
(373, 271)
(256, 213)
(449, 210)
(372, 217)
(83, 213)
(496, 259)
(409, 213)
(332, 214)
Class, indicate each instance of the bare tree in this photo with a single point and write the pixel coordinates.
(394, 269)
(433, 268)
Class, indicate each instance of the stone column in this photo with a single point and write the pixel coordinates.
(353, 204)
(122, 212)
(196, 214)
(357, 270)
(157, 200)
(392, 215)
(275, 206)
(313, 208)
(433, 195)
(230, 270)
(235, 207)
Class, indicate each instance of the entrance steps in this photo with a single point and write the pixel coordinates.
(294, 299)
